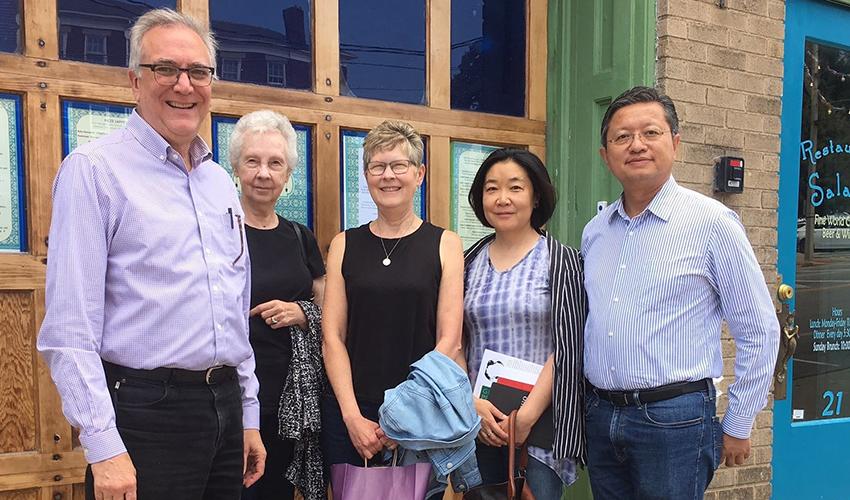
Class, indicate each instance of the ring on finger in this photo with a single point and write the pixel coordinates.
(274, 320)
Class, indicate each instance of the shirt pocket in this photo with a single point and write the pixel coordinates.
(226, 237)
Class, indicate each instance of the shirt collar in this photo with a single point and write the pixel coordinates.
(156, 145)
(662, 205)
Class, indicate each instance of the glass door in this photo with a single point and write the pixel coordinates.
(812, 423)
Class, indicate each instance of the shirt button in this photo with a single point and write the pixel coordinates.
(611, 334)
(449, 465)
(616, 299)
(613, 369)
(218, 325)
(207, 251)
(622, 266)
(631, 233)
(215, 288)
(161, 157)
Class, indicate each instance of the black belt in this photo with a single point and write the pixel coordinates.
(210, 376)
(639, 397)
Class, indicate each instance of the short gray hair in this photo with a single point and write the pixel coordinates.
(390, 134)
(258, 122)
(165, 17)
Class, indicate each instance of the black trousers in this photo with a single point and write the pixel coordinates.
(273, 485)
(185, 439)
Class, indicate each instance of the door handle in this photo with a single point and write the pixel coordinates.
(788, 331)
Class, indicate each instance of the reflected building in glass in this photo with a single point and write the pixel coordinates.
(98, 31)
(382, 50)
(268, 44)
(488, 56)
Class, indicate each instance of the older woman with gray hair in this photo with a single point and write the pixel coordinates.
(287, 286)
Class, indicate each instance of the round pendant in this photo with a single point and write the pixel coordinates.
(387, 261)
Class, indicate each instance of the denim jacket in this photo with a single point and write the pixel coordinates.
(433, 411)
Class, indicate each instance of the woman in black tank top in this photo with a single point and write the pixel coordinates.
(394, 292)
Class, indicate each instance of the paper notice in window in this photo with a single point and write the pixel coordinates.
(495, 365)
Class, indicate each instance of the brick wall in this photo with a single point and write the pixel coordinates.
(723, 69)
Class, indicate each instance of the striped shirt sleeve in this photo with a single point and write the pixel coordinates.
(745, 303)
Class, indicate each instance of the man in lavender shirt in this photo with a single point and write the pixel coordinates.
(146, 330)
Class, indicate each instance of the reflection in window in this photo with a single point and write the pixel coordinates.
(95, 48)
(488, 56)
(98, 31)
(10, 25)
(230, 69)
(382, 49)
(276, 74)
(821, 375)
(269, 43)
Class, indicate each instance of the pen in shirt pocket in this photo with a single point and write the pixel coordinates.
(241, 240)
(230, 213)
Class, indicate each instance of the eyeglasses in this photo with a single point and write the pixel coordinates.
(647, 136)
(398, 167)
(273, 165)
(169, 74)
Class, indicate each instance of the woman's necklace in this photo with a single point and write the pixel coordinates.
(387, 261)
(267, 222)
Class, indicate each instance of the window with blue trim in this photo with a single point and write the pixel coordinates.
(269, 43)
(488, 56)
(97, 31)
(382, 50)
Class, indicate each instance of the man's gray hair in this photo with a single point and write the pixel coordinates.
(258, 122)
(165, 17)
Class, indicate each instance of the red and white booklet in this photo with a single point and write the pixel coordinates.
(506, 382)
(497, 365)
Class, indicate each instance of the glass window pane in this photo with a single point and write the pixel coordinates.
(382, 50)
(99, 32)
(13, 203)
(10, 25)
(488, 56)
(269, 43)
(821, 376)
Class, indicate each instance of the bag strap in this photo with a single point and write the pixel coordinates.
(394, 463)
(300, 235)
(514, 490)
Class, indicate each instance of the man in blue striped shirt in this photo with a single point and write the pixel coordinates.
(664, 266)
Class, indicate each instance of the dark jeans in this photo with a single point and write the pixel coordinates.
(273, 485)
(185, 440)
(663, 450)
